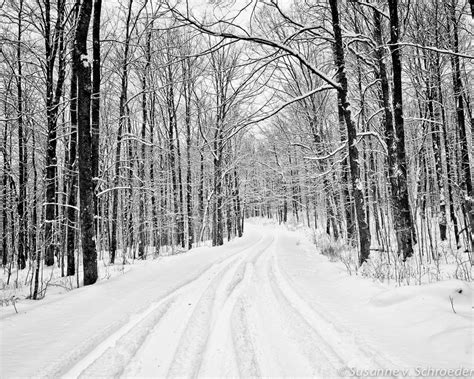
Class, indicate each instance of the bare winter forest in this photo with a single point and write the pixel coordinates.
(135, 127)
(136, 130)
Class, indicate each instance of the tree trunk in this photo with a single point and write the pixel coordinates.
(86, 186)
(143, 196)
(356, 183)
(181, 238)
(189, 194)
(238, 207)
(22, 176)
(53, 98)
(172, 155)
(71, 170)
(122, 113)
(458, 89)
(402, 215)
(95, 102)
(5, 197)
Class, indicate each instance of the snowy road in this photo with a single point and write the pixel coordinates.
(230, 311)
(238, 318)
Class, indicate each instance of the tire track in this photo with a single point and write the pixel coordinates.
(341, 342)
(113, 354)
(193, 345)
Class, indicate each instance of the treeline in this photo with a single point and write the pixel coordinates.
(118, 148)
(403, 180)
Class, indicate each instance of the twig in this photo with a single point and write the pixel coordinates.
(452, 303)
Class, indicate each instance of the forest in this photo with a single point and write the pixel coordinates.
(133, 129)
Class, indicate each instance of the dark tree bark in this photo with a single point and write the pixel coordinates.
(128, 230)
(187, 88)
(436, 142)
(218, 227)
(86, 185)
(356, 184)
(145, 122)
(237, 206)
(22, 175)
(154, 200)
(5, 196)
(346, 195)
(36, 252)
(172, 121)
(449, 164)
(95, 101)
(180, 221)
(404, 229)
(122, 116)
(458, 89)
(71, 167)
(71, 170)
(200, 194)
(54, 43)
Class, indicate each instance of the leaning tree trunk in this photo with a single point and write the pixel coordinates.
(86, 186)
(71, 168)
(356, 183)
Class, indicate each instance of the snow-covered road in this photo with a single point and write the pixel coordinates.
(238, 310)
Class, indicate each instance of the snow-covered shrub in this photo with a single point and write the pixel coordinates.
(383, 266)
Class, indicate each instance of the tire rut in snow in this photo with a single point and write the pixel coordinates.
(243, 331)
(243, 341)
(342, 343)
(111, 349)
(113, 361)
(311, 342)
(219, 356)
(193, 344)
(282, 342)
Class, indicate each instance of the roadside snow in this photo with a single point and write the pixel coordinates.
(416, 324)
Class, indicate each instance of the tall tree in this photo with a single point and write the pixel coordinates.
(54, 48)
(188, 91)
(344, 107)
(95, 102)
(122, 120)
(22, 176)
(71, 166)
(86, 185)
(458, 89)
(403, 220)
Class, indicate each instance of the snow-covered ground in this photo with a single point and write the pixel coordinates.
(264, 305)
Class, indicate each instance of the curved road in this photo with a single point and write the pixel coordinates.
(239, 317)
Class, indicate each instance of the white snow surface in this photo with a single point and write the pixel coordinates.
(266, 305)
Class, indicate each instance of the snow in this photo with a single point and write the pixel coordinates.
(267, 304)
